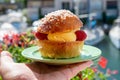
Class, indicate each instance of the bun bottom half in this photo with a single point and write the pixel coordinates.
(54, 49)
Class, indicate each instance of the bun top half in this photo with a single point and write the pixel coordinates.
(59, 21)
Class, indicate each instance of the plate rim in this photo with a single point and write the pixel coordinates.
(65, 61)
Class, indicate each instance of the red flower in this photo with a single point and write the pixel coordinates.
(103, 62)
(22, 44)
(23, 33)
(114, 72)
(109, 71)
(94, 69)
(6, 39)
(15, 37)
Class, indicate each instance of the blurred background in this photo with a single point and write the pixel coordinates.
(101, 19)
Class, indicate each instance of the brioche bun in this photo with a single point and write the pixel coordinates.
(59, 21)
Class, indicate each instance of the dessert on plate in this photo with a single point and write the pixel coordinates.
(59, 36)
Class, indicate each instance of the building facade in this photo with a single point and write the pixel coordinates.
(110, 7)
(119, 7)
(42, 7)
(47, 6)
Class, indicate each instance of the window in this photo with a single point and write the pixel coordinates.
(83, 7)
(47, 3)
(65, 5)
(96, 5)
(111, 4)
(35, 4)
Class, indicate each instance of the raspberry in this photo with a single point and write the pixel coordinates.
(81, 35)
(41, 36)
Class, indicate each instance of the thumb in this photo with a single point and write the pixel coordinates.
(6, 57)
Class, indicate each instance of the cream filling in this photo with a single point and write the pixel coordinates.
(65, 37)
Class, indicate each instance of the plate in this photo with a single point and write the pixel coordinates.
(88, 53)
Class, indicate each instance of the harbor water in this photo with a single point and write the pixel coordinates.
(112, 54)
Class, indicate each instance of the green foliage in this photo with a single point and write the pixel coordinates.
(0, 78)
(76, 78)
(16, 53)
(87, 74)
(19, 43)
(102, 76)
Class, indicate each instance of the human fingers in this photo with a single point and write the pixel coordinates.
(80, 66)
(72, 70)
(9, 70)
(6, 57)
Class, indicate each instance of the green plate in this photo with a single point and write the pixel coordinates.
(88, 53)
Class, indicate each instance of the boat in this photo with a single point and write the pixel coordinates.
(18, 20)
(114, 33)
(12, 22)
(15, 18)
(94, 36)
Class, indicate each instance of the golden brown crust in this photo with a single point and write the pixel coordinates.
(59, 21)
(56, 49)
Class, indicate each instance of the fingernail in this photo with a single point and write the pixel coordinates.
(5, 53)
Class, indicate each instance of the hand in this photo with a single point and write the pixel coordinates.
(37, 71)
